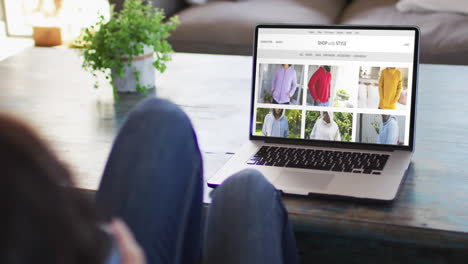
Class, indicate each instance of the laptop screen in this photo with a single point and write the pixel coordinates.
(340, 84)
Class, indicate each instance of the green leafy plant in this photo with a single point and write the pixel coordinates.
(261, 113)
(342, 95)
(376, 126)
(336, 102)
(311, 119)
(294, 122)
(345, 124)
(110, 47)
(267, 97)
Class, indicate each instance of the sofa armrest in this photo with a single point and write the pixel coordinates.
(170, 6)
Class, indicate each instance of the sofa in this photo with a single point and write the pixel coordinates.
(226, 27)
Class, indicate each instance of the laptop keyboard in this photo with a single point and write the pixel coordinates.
(339, 161)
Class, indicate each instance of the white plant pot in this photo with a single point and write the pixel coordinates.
(144, 64)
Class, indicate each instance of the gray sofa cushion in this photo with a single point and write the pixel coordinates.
(444, 36)
(227, 27)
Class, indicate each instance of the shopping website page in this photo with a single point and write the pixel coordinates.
(334, 84)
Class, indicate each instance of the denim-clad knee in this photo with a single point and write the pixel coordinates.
(165, 110)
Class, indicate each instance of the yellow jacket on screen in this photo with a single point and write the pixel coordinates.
(389, 88)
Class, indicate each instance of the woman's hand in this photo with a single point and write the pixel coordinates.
(130, 251)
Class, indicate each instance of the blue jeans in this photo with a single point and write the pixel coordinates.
(322, 104)
(153, 180)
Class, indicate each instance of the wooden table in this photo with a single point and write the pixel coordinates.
(428, 221)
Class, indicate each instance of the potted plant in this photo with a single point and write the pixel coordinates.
(128, 47)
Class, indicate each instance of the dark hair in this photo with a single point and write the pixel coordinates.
(274, 113)
(43, 219)
(327, 68)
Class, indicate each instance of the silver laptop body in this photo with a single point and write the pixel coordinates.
(332, 110)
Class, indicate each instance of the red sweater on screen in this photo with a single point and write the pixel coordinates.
(319, 85)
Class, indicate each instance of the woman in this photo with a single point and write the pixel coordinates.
(389, 88)
(320, 86)
(276, 124)
(325, 128)
(40, 215)
(284, 84)
(389, 131)
(157, 193)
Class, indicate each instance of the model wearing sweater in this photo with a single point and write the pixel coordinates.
(276, 124)
(326, 128)
(389, 88)
(284, 84)
(319, 86)
(388, 131)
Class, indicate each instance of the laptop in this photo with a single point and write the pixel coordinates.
(332, 110)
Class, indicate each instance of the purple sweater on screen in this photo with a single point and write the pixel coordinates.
(284, 84)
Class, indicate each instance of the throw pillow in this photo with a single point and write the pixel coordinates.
(455, 6)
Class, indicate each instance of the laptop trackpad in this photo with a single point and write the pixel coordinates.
(300, 182)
